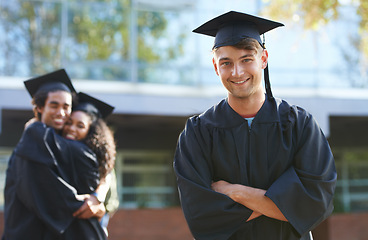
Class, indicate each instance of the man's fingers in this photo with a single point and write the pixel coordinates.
(85, 215)
(80, 210)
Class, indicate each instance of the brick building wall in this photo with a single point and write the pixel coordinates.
(169, 224)
(150, 224)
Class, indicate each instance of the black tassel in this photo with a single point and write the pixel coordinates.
(267, 83)
(267, 75)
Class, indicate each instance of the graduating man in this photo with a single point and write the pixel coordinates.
(252, 166)
(40, 193)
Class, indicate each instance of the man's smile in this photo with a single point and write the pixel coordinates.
(240, 81)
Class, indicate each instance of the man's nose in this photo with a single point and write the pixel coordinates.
(62, 112)
(237, 71)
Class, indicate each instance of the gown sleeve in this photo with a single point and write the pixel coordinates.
(210, 215)
(304, 192)
(39, 185)
(47, 195)
(84, 164)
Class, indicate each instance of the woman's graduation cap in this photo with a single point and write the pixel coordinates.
(91, 105)
(230, 28)
(57, 80)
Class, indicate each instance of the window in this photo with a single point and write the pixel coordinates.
(146, 179)
(4, 158)
(352, 186)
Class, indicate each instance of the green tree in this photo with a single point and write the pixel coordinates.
(316, 13)
(25, 32)
(51, 34)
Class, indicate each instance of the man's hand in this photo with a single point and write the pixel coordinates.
(29, 122)
(224, 188)
(90, 208)
(252, 198)
(230, 190)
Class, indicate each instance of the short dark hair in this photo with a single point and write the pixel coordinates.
(248, 44)
(38, 101)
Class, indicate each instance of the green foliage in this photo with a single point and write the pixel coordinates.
(98, 32)
(363, 12)
(94, 30)
(316, 13)
(41, 38)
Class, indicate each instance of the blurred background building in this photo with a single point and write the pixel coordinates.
(141, 57)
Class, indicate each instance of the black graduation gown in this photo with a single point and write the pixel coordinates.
(284, 152)
(39, 193)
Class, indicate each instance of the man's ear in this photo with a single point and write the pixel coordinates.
(39, 109)
(215, 66)
(264, 59)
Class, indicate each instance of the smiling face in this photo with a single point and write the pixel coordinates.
(56, 110)
(240, 71)
(77, 126)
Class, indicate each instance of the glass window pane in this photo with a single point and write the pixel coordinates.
(146, 180)
(98, 40)
(165, 48)
(31, 32)
(4, 158)
(352, 186)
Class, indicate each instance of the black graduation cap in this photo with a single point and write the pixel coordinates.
(57, 80)
(91, 105)
(230, 28)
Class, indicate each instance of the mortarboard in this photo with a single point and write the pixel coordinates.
(91, 105)
(57, 80)
(230, 28)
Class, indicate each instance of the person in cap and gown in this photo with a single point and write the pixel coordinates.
(40, 193)
(87, 124)
(253, 166)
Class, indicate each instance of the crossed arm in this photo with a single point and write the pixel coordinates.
(252, 198)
